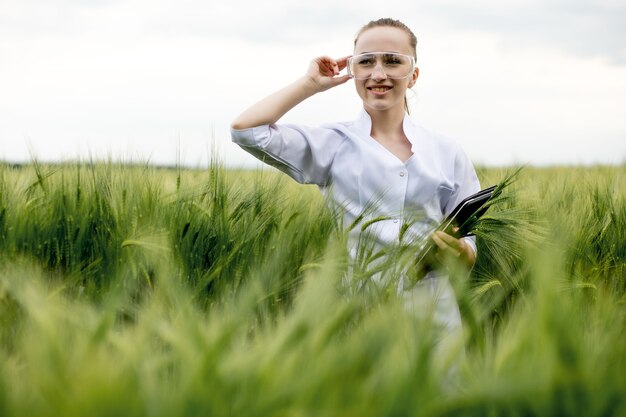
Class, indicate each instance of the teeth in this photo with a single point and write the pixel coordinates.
(380, 89)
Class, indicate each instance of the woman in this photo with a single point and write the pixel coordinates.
(381, 160)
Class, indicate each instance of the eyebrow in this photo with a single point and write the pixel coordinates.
(380, 52)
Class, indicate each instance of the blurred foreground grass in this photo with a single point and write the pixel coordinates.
(130, 290)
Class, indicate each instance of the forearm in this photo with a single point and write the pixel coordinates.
(270, 109)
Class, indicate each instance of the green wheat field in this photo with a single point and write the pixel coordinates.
(144, 291)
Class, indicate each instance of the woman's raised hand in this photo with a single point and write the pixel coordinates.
(324, 72)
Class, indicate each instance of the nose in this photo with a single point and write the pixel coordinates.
(378, 73)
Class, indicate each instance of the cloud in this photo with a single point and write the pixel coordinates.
(579, 27)
(590, 28)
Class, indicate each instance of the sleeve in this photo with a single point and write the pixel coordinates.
(465, 184)
(304, 153)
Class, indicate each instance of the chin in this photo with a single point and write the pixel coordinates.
(381, 106)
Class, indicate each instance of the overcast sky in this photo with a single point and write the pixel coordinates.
(534, 81)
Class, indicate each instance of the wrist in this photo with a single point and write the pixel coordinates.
(469, 254)
(309, 85)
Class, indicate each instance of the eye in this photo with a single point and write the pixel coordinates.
(364, 60)
(392, 59)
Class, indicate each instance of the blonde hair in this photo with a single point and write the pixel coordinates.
(387, 21)
(394, 23)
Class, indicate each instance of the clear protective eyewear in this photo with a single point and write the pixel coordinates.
(393, 65)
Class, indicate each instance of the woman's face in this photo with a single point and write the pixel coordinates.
(379, 92)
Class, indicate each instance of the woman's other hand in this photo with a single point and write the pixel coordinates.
(458, 248)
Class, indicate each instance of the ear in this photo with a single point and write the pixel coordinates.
(414, 76)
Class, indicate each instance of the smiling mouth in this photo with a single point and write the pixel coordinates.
(381, 89)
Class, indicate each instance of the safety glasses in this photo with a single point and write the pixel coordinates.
(393, 65)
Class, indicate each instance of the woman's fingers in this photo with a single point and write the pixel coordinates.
(448, 243)
(325, 70)
(328, 66)
(457, 247)
(343, 62)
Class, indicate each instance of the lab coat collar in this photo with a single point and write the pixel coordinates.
(364, 124)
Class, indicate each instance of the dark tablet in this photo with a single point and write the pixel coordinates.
(474, 204)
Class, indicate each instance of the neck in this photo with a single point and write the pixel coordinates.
(386, 122)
